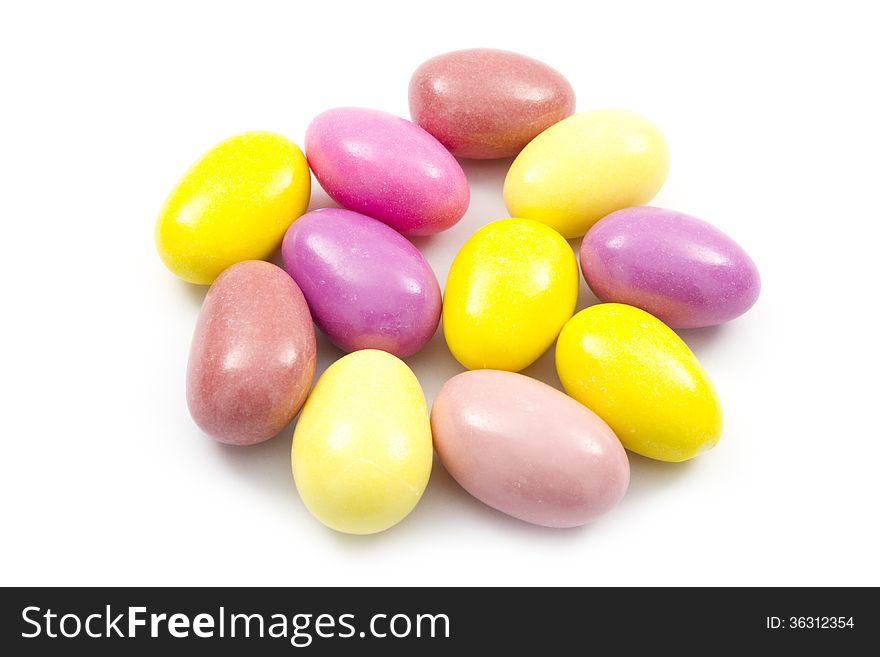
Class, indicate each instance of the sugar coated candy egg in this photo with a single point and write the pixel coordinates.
(485, 103)
(387, 168)
(253, 354)
(680, 269)
(585, 167)
(234, 204)
(367, 286)
(510, 289)
(527, 449)
(362, 445)
(636, 374)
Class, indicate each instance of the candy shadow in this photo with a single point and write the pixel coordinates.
(265, 465)
(486, 173)
(702, 340)
(319, 198)
(276, 259)
(328, 353)
(586, 298)
(649, 475)
(544, 369)
(195, 293)
(486, 181)
(421, 242)
(434, 365)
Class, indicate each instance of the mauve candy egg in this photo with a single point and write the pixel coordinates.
(680, 269)
(485, 103)
(527, 449)
(388, 168)
(366, 285)
(253, 354)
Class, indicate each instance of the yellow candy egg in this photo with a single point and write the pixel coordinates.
(510, 289)
(234, 204)
(585, 167)
(637, 375)
(362, 447)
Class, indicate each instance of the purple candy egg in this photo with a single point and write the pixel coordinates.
(366, 285)
(680, 269)
(388, 168)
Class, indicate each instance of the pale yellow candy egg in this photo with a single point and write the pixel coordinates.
(362, 447)
(585, 167)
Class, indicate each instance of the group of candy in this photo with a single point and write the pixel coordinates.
(362, 447)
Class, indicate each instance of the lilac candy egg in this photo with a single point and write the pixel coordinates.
(527, 449)
(680, 269)
(388, 168)
(366, 285)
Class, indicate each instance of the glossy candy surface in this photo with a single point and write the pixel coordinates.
(485, 103)
(253, 354)
(234, 204)
(510, 289)
(685, 272)
(388, 168)
(585, 167)
(527, 449)
(362, 445)
(637, 375)
(367, 286)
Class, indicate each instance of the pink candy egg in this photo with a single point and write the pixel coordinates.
(527, 449)
(387, 168)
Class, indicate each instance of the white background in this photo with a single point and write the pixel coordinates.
(771, 113)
